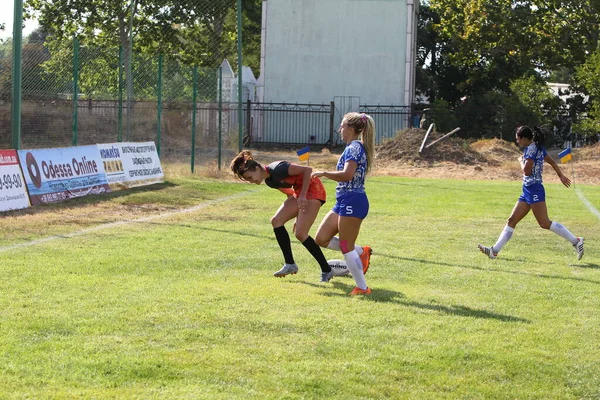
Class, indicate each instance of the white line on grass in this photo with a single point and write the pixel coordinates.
(119, 223)
(587, 203)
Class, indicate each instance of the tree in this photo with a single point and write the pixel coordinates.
(571, 27)
(509, 38)
(198, 32)
(6, 69)
(251, 33)
(194, 32)
(588, 76)
(486, 51)
(489, 42)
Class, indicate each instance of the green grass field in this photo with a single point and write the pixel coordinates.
(185, 305)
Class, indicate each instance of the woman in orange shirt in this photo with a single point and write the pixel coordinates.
(305, 194)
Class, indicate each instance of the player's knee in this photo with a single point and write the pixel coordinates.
(545, 224)
(275, 222)
(321, 241)
(301, 236)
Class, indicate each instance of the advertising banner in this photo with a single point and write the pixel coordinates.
(131, 164)
(13, 193)
(59, 174)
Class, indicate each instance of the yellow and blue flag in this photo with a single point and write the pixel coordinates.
(565, 156)
(304, 154)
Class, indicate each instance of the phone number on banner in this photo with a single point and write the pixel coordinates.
(8, 181)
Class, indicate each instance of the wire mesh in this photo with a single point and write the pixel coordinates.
(6, 61)
(124, 71)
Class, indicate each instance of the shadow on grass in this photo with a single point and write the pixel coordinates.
(586, 265)
(545, 276)
(204, 229)
(464, 311)
(391, 296)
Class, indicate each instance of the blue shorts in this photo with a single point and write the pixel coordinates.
(351, 204)
(533, 194)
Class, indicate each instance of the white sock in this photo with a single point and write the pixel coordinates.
(355, 267)
(504, 237)
(334, 244)
(561, 231)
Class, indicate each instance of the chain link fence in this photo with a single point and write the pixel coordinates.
(156, 78)
(6, 61)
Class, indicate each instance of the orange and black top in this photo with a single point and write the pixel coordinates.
(279, 178)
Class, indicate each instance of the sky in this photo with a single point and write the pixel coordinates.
(7, 17)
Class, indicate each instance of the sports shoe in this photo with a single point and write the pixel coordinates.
(358, 290)
(579, 248)
(365, 258)
(488, 251)
(287, 269)
(326, 276)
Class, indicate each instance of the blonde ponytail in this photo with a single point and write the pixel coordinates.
(364, 125)
(368, 139)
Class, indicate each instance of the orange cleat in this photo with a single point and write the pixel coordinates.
(358, 290)
(365, 258)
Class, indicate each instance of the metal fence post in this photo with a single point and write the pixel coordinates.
(120, 106)
(159, 104)
(194, 98)
(17, 64)
(248, 121)
(240, 67)
(129, 61)
(220, 113)
(331, 122)
(75, 88)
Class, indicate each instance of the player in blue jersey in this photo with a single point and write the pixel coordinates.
(534, 196)
(352, 205)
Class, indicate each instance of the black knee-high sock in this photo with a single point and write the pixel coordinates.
(283, 238)
(317, 253)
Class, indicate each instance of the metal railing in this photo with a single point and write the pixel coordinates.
(287, 123)
(316, 124)
(388, 119)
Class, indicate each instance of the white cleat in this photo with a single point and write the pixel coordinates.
(287, 269)
(488, 251)
(579, 248)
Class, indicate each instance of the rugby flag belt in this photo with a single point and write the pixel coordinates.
(565, 155)
(304, 154)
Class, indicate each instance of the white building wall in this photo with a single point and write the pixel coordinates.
(315, 50)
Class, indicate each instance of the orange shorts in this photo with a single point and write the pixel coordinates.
(316, 190)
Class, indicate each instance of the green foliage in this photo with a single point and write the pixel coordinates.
(490, 50)
(588, 76)
(589, 127)
(533, 93)
(188, 34)
(251, 34)
(495, 114)
(560, 75)
(490, 115)
(475, 40)
(443, 118)
(197, 32)
(6, 69)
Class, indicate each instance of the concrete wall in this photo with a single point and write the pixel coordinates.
(315, 50)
